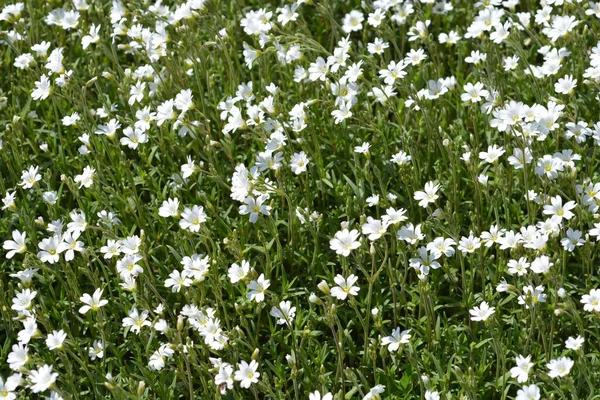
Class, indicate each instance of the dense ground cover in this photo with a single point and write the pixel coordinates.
(313, 200)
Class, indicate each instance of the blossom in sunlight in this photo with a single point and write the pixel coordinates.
(522, 369)
(16, 245)
(192, 218)
(93, 302)
(247, 373)
(42, 379)
(482, 312)
(574, 343)
(591, 301)
(428, 195)
(257, 289)
(531, 392)
(345, 287)
(344, 242)
(255, 206)
(136, 320)
(559, 367)
(397, 338)
(284, 313)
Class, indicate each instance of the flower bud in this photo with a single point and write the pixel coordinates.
(323, 287)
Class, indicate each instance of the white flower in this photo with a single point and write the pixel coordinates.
(184, 100)
(532, 296)
(42, 378)
(519, 267)
(557, 210)
(169, 208)
(574, 343)
(136, 92)
(86, 178)
(15, 246)
(591, 302)
(50, 197)
(257, 289)
(521, 371)
(93, 37)
(177, 280)
(128, 266)
(237, 273)
(42, 88)
(55, 340)
(224, 379)
(318, 70)
(401, 158)
(136, 320)
(559, 367)
(255, 207)
(133, 137)
(109, 130)
(394, 216)
(410, 233)
(344, 242)
(431, 395)
(159, 357)
(531, 392)
(492, 154)
(373, 200)
(23, 300)
(30, 177)
(374, 228)
(96, 351)
(541, 265)
(78, 222)
(396, 339)
(70, 245)
(352, 21)
(469, 244)
(474, 93)
(511, 63)
(93, 302)
(7, 389)
(18, 357)
(572, 240)
(247, 374)
(482, 313)
(285, 313)
(345, 287)
(112, 249)
(316, 395)
(565, 85)
(191, 219)
(429, 195)
(343, 112)
(49, 250)
(299, 162)
(374, 393)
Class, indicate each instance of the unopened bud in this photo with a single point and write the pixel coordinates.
(323, 287)
(141, 388)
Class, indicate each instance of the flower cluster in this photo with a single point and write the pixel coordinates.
(305, 200)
